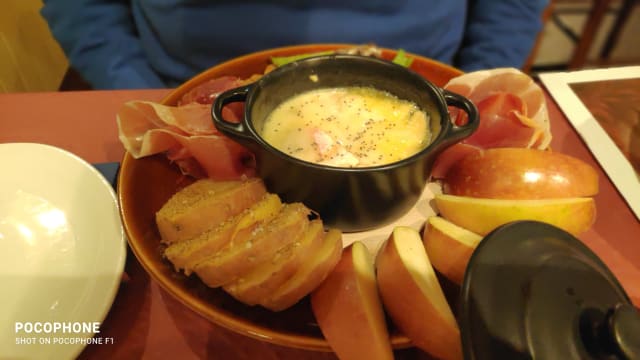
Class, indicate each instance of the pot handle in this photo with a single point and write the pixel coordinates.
(232, 129)
(460, 132)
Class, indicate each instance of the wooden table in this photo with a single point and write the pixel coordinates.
(148, 323)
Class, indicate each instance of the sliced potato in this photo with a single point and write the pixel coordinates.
(205, 204)
(314, 270)
(269, 276)
(247, 251)
(185, 255)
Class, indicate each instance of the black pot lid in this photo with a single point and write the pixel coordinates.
(533, 291)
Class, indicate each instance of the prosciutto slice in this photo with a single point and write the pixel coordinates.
(512, 109)
(187, 135)
(206, 92)
(505, 95)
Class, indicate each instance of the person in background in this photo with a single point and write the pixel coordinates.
(122, 44)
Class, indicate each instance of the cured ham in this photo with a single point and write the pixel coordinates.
(517, 96)
(512, 109)
(206, 92)
(187, 135)
(502, 124)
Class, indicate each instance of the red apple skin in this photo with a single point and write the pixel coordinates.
(349, 311)
(450, 156)
(519, 173)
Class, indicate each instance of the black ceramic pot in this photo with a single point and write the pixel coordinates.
(351, 199)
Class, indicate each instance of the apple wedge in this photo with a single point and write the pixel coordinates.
(520, 173)
(413, 297)
(480, 215)
(348, 309)
(449, 247)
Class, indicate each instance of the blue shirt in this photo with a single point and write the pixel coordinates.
(159, 43)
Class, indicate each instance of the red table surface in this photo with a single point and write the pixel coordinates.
(145, 321)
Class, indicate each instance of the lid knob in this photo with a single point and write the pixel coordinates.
(624, 328)
(614, 334)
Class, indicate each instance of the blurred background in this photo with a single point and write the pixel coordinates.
(577, 34)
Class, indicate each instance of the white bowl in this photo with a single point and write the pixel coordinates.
(63, 250)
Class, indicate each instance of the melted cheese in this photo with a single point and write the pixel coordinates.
(347, 127)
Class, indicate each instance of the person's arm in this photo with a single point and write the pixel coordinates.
(100, 41)
(500, 33)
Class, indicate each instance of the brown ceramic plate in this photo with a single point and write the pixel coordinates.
(144, 185)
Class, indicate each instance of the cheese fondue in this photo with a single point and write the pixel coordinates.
(347, 127)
